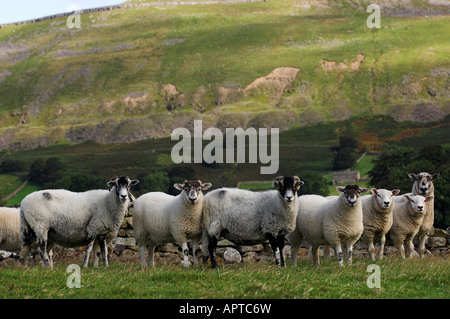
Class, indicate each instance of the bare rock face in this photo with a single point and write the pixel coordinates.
(421, 112)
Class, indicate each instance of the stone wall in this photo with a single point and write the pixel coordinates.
(125, 245)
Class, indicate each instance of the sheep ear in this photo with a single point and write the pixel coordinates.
(134, 182)
(112, 181)
(412, 176)
(407, 197)
(429, 198)
(363, 190)
(277, 181)
(179, 186)
(205, 186)
(339, 188)
(436, 176)
(395, 192)
(374, 191)
(299, 184)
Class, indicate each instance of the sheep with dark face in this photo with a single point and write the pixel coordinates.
(71, 219)
(161, 218)
(423, 185)
(333, 221)
(247, 218)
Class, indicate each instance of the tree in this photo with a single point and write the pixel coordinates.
(346, 154)
(11, 165)
(315, 183)
(36, 170)
(78, 182)
(156, 182)
(47, 171)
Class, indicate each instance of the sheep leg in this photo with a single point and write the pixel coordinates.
(50, 253)
(43, 253)
(195, 248)
(348, 249)
(382, 243)
(410, 248)
(422, 239)
(97, 252)
(27, 238)
(280, 243)
(400, 248)
(88, 250)
(339, 254)
(295, 239)
(315, 255)
(142, 250)
(276, 251)
(185, 249)
(368, 239)
(205, 253)
(151, 253)
(103, 249)
(212, 251)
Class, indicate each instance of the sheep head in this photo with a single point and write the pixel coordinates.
(122, 185)
(423, 182)
(192, 189)
(351, 193)
(384, 196)
(417, 203)
(288, 187)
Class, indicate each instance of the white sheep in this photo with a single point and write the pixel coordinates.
(161, 218)
(377, 218)
(72, 219)
(329, 221)
(246, 218)
(9, 229)
(408, 217)
(110, 236)
(423, 185)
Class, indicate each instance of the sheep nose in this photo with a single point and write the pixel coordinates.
(123, 197)
(289, 198)
(420, 208)
(386, 204)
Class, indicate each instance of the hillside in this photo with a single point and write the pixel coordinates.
(139, 71)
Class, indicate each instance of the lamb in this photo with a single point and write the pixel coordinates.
(161, 218)
(423, 185)
(246, 218)
(377, 218)
(329, 221)
(9, 229)
(408, 218)
(73, 219)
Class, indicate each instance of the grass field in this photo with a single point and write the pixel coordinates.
(416, 278)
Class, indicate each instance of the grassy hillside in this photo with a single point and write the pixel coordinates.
(141, 71)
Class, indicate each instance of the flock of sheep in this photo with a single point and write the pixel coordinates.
(93, 219)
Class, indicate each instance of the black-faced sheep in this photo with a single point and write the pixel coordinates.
(247, 218)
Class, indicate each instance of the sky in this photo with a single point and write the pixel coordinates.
(20, 10)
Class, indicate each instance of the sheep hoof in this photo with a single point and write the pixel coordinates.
(186, 263)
